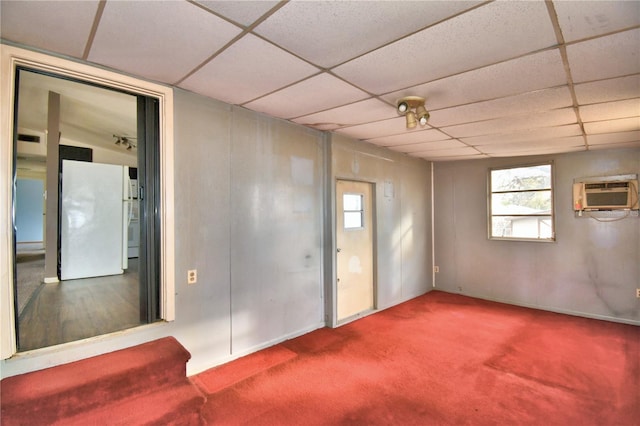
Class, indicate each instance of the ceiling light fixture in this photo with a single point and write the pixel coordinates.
(405, 106)
(125, 141)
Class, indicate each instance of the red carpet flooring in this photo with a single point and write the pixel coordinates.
(440, 359)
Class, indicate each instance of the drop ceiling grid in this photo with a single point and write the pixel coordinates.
(492, 72)
(486, 35)
(62, 27)
(247, 70)
(159, 51)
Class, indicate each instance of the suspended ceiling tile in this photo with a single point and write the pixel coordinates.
(608, 90)
(489, 34)
(541, 151)
(315, 94)
(521, 75)
(613, 138)
(243, 12)
(583, 19)
(388, 127)
(319, 30)
(525, 135)
(610, 110)
(170, 40)
(428, 135)
(511, 124)
(455, 152)
(613, 126)
(505, 148)
(61, 26)
(457, 158)
(532, 103)
(605, 57)
(348, 115)
(266, 66)
(428, 146)
(622, 145)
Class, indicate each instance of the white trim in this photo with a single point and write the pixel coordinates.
(10, 58)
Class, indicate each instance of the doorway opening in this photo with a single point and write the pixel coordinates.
(86, 173)
(355, 232)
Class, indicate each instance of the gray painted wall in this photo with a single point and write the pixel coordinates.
(252, 196)
(593, 268)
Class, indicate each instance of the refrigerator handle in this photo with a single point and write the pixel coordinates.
(140, 192)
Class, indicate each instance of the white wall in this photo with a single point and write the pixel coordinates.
(593, 268)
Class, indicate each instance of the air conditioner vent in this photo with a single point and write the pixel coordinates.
(28, 138)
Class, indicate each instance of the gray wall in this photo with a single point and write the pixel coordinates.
(253, 203)
(593, 268)
(403, 214)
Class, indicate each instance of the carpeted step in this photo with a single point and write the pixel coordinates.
(176, 404)
(55, 393)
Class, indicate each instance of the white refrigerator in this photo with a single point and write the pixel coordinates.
(94, 219)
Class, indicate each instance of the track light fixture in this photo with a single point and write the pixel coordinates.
(405, 106)
(125, 141)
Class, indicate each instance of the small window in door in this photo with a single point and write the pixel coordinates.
(353, 211)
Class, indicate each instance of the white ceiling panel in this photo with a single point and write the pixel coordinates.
(455, 152)
(251, 59)
(429, 135)
(613, 126)
(531, 103)
(62, 27)
(511, 124)
(611, 138)
(541, 151)
(483, 36)
(624, 145)
(605, 57)
(534, 72)
(491, 71)
(610, 110)
(317, 30)
(389, 127)
(608, 90)
(525, 135)
(309, 96)
(244, 12)
(155, 46)
(428, 146)
(349, 115)
(583, 19)
(572, 141)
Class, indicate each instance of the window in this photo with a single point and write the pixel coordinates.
(521, 203)
(353, 211)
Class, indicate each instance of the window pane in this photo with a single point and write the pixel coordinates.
(522, 227)
(352, 220)
(521, 178)
(352, 202)
(530, 202)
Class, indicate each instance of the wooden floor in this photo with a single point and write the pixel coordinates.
(77, 309)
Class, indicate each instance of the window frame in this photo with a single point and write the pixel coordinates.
(551, 189)
(345, 211)
(15, 57)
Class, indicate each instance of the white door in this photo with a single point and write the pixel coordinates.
(354, 241)
(91, 228)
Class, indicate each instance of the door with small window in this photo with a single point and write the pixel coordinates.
(354, 242)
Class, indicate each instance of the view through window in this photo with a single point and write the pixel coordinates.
(521, 203)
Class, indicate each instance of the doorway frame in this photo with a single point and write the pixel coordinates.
(13, 57)
(335, 322)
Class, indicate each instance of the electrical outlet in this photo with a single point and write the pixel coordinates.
(436, 269)
(638, 293)
(192, 276)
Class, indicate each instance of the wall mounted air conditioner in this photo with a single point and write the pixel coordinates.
(605, 195)
(31, 142)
